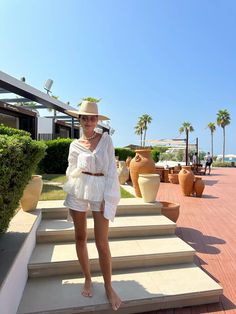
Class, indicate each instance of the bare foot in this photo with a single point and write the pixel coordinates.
(87, 289)
(113, 298)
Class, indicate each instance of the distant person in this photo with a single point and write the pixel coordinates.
(195, 162)
(208, 160)
(195, 159)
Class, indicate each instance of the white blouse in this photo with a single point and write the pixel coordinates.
(94, 188)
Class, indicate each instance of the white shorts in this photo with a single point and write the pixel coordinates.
(81, 205)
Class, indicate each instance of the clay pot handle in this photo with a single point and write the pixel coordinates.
(137, 158)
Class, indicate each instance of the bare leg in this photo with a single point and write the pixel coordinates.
(80, 223)
(101, 226)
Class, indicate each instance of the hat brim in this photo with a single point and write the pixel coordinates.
(76, 114)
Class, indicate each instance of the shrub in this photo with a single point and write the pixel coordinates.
(11, 131)
(123, 153)
(168, 156)
(19, 157)
(155, 155)
(56, 159)
(180, 155)
(223, 164)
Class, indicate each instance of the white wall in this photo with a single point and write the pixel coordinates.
(13, 286)
(45, 125)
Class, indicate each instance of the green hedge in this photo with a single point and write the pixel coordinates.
(11, 131)
(56, 159)
(19, 157)
(123, 153)
(223, 164)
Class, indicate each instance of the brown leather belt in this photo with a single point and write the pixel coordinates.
(93, 174)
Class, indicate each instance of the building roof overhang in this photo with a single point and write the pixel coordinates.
(27, 93)
(9, 84)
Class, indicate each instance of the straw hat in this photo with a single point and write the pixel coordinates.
(87, 108)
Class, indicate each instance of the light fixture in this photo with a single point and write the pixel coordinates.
(48, 85)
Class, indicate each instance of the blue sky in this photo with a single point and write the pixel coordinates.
(172, 59)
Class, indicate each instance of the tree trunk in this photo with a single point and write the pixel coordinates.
(144, 134)
(212, 144)
(186, 152)
(144, 138)
(223, 144)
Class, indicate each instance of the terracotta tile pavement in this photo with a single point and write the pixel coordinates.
(208, 224)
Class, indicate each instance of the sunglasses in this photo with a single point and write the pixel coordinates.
(89, 118)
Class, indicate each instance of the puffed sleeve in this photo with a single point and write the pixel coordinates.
(112, 186)
(72, 161)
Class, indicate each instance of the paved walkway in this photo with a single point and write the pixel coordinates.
(208, 224)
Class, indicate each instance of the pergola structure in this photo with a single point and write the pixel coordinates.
(15, 96)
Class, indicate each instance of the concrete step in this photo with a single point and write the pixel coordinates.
(60, 258)
(135, 226)
(126, 206)
(141, 291)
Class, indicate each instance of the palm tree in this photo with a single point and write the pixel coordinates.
(223, 119)
(139, 131)
(211, 126)
(145, 120)
(186, 127)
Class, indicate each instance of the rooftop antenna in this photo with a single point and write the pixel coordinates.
(48, 85)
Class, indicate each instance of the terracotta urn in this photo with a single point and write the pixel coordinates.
(31, 193)
(128, 160)
(173, 178)
(186, 179)
(198, 186)
(149, 185)
(141, 163)
(186, 168)
(170, 210)
(123, 172)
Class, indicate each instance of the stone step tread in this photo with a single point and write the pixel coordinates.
(126, 206)
(134, 202)
(140, 291)
(160, 245)
(61, 225)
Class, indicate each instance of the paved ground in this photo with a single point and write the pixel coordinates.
(208, 224)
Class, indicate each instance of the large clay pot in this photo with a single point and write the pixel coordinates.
(128, 160)
(173, 178)
(187, 168)
(123, 172)
(149, 185)
(141, 163)
(198, 186)
(186, 179)
(31, 193)
(170, 210)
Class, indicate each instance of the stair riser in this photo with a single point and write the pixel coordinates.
(61, 213)
(140, 306)
(119, 263)
(68, 236)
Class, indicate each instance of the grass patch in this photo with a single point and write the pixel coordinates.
(54, 177)
(125, 194)
(54, 192)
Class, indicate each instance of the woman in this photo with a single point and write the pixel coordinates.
(93, 183)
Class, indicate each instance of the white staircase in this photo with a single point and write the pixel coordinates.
(152, 268)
